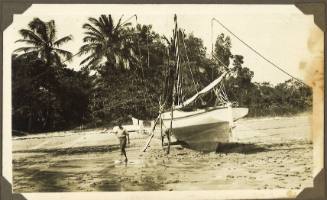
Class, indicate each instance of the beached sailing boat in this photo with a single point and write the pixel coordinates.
(202, 129)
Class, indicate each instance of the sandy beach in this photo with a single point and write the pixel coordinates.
(266, 153)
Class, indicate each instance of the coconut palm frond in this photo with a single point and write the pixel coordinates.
(30, 35)
(94, 59)
(110, 24)
(94, 34)
(94, 63)
(66, 54)
(33, 42)
(90, 39)
(51, 31)
(63, 40)
(40, 27)
(106, 20)
(125, 24)
(26, 49)
(119, 21)
(86, 48)
(106, 41)
(87, 59)
(57, 59)
(96, 23)
(92, 29)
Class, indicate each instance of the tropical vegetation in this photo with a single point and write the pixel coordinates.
(124, 73)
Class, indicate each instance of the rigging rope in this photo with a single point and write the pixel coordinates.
(255, 51)
(189, 66)
(176, 91)
(140, 62)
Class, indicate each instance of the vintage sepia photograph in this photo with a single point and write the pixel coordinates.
(117, 98)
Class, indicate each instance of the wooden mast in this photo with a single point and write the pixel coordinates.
(176, 89)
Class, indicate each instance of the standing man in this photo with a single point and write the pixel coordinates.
(123, 137)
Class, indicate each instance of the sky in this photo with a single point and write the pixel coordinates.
(279, 32)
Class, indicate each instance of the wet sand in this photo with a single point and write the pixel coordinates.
(266, 153)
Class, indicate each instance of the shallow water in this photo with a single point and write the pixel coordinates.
(274, 158)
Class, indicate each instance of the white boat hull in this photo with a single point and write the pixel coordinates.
(204, 129)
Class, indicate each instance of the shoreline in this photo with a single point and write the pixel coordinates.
(89, 161)
(77, 130)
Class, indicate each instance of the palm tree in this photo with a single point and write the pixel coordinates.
(41, 36)
(43, 44)
(107, 42)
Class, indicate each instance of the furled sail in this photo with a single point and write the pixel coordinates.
(203, 91)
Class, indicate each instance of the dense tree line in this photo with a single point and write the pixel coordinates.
(124, 74)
